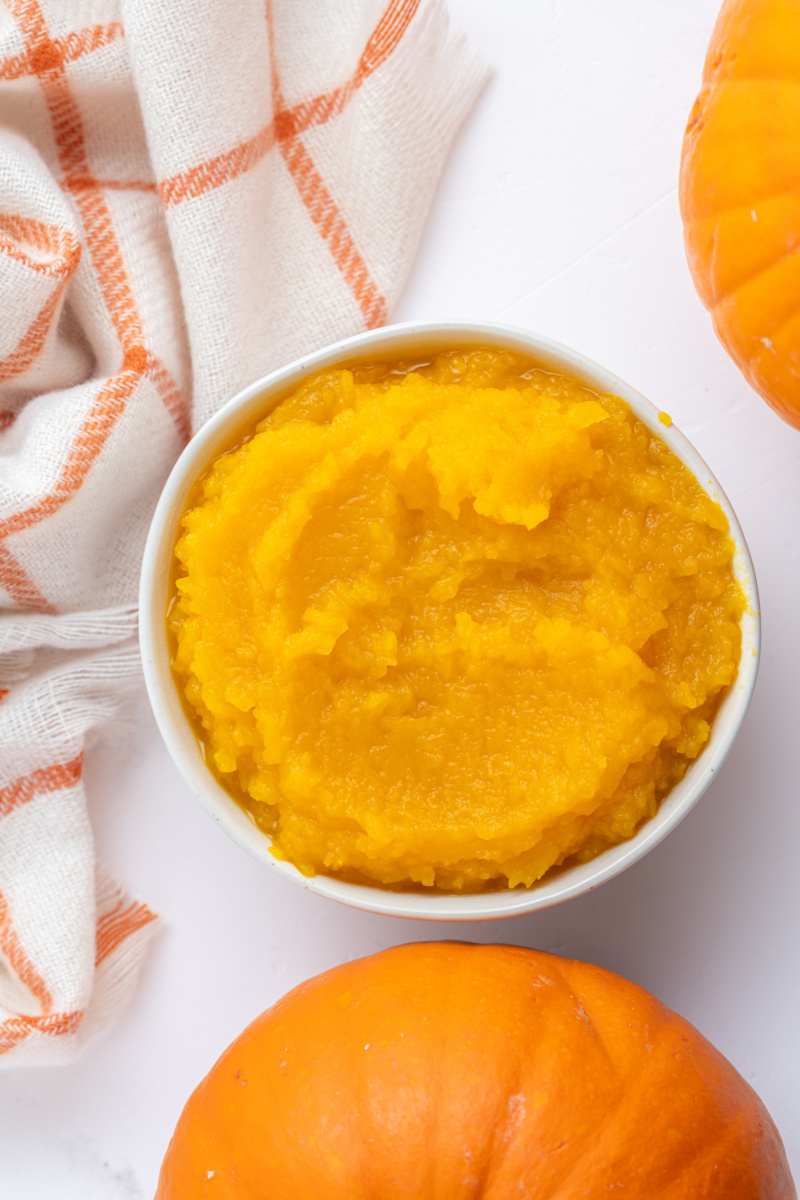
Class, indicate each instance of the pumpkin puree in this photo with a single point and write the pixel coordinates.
(454, 625)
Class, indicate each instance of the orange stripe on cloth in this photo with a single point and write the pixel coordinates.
(106, 410)
(109, 185)
(288, 122)
(325, 214)
(61, 244)
(65, 252)
(30, 346)
(16, 582)
(62, 50)
(47, 62)
(323, 209)
(384, 40)
(25, 971)
(218, 170)
(115, 926)
(46, 779)
(110, 267)
(68, 130)
(85, 41)
(15, 66)
(17, 1029)
(386, 37)
(171, 395)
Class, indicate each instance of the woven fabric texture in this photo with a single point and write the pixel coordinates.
(192, 194)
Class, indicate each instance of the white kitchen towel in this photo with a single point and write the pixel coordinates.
(192, 193)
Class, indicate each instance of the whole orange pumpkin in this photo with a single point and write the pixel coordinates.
(740, 194)
(445, 1071)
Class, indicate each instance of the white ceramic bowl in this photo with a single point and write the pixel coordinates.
(400, 341)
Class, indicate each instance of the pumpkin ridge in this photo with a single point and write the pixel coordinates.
(770, 333)
(579, 997)
(753, 275)
(729, 208)
(671, 1022)
(487, 1167)
(692, 220)
(497, 1156)
(563, 1189)
(359, 1081)
(726, 1142)
(561, 970)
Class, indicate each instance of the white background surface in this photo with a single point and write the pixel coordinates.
(558, 211)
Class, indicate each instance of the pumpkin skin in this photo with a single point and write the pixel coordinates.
(740, 194)
(447, 1071)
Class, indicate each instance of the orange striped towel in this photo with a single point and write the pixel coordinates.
(191, 194)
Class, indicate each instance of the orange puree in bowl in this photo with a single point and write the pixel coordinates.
(452, 626)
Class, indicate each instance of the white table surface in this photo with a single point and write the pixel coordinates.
(558, 211)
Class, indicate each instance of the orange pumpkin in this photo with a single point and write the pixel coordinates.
(444, 1071)
(740, 194)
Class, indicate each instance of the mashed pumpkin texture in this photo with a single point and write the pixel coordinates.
(452, 626)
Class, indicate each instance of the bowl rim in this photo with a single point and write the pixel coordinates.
(218, 433)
